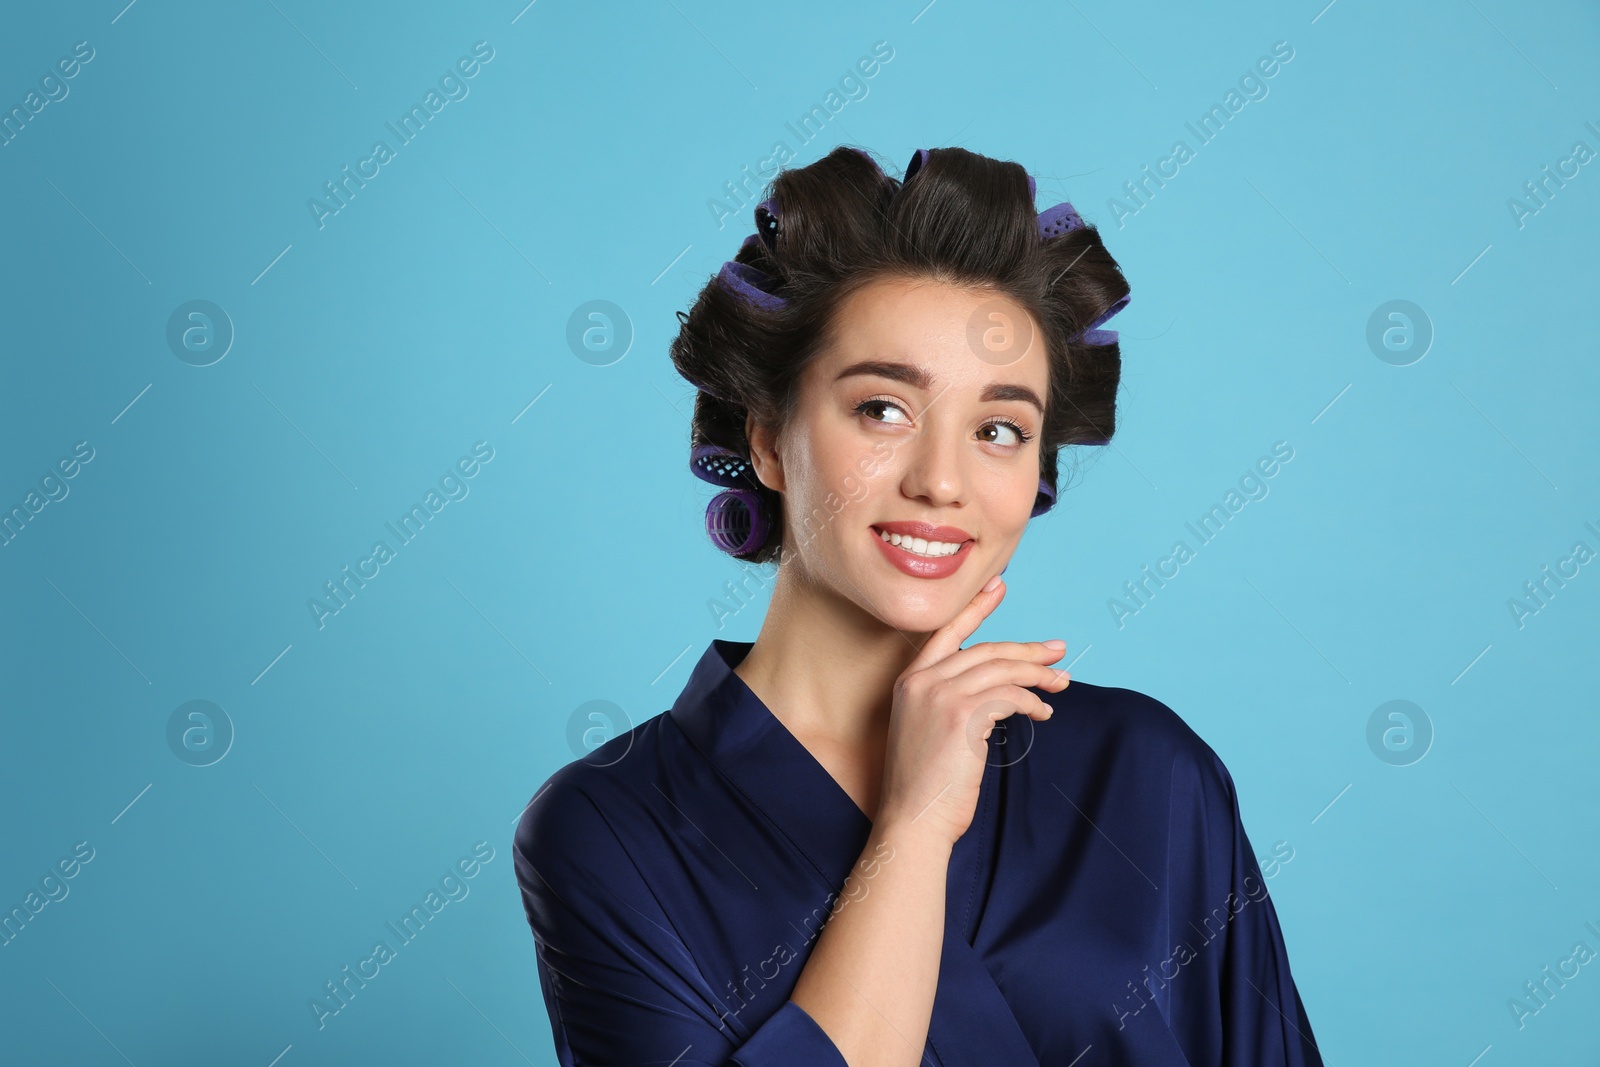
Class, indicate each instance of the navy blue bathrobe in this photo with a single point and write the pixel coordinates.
(1104, 907)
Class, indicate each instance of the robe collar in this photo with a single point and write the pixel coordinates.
(972, 1024)
(728, 723)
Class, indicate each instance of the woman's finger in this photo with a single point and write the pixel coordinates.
(1032, 651)
(947, 639)
(1017, 672)
(1001, 701)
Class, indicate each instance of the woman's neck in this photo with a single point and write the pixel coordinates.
(826, 668)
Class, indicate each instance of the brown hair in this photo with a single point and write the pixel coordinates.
(840, 223)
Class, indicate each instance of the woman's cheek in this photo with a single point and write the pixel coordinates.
(854, 489)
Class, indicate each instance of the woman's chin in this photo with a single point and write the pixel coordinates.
(921, 609)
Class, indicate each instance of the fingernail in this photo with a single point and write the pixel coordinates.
(989, 586)
(1055, 643)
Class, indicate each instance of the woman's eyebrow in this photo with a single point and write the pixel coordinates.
(921, 379)
(1007, 391)
(900, 372)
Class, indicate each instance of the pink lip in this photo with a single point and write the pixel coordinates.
(922, 566)
(928, 531)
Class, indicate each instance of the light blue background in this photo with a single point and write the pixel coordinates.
(372, 752)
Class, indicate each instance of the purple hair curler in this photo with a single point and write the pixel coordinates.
(922, 156)
(736, 521)
(915, 165)
(753, 285)
(767, 223)
(1055, 221)
(1106, 314)
(735, 517)
(1064, 218)
(1044, 500)
(721, 466)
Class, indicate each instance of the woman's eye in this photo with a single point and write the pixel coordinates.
(868, 406)
(1009, 435)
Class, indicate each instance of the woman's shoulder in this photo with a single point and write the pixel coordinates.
(575, 815)
(1112, 718)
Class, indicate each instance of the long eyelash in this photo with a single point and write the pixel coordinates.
(1023, 436)
(860, 409)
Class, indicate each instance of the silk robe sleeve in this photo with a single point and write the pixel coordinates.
(1248, 1012)
(620, 986)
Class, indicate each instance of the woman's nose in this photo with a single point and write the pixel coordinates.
(934, 472)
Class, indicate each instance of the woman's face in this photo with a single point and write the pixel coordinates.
(921, 410)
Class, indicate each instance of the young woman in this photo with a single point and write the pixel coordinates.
(853, 841)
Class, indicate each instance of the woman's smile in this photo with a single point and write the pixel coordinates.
(922, 549)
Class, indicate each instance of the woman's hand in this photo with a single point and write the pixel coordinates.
(946, 703)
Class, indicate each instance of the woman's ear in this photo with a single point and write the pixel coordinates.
(764, 453)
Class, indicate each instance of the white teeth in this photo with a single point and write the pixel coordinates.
(920, 546)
